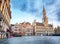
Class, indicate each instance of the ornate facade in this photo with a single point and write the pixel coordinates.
(16, 28)
(43, 28)
(5, 15)
(57, 30)
(36, 28)
(25, 28)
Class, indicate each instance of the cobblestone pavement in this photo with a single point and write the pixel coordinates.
(32, 40)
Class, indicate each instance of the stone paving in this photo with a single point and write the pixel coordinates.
(32, 40)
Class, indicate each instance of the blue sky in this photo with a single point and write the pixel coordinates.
(28, 10)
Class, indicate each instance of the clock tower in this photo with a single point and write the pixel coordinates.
(45, 19)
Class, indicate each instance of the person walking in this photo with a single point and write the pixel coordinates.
(7, 34)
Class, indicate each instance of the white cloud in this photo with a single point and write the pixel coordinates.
(51, 13)
(20, 16)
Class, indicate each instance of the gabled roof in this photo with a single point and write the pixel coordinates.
(50, 25)
(39, 24)
(26, 23)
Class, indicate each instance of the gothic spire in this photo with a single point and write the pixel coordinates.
(44, 11)
(45, 20)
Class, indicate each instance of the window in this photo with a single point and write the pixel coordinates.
(15, 29)
(28, 30)
(0, 19)
(5, 0)
(0, 3)
(19, 29)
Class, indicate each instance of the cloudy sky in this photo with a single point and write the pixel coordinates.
(28, 10)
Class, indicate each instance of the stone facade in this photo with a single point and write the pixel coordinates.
(17, 28)
(5, 15)
(36, 28)
(43, 28)
(27, 28)
(57, 30)
(40, 29)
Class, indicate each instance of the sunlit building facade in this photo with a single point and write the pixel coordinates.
(16, 28)
(43, 28)
(5, 15)
(27, 28)
(24, 28)
(36, 28)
